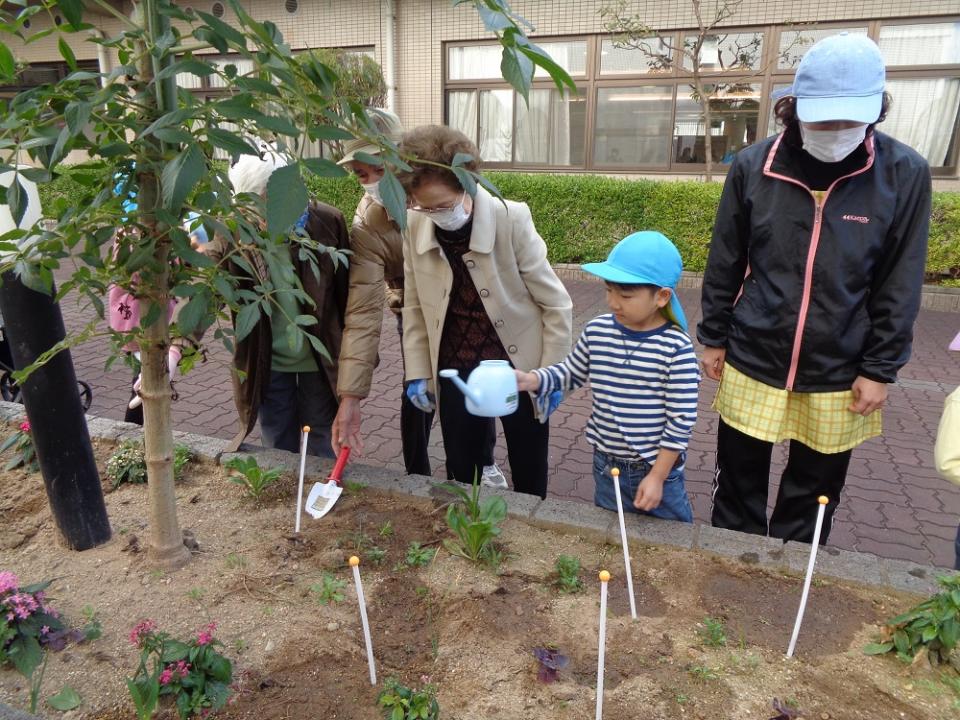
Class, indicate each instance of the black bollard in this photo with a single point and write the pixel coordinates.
(33, 325)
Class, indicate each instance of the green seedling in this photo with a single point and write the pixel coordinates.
(567, 569)
(247, 473)
(329, 589)
(475, 524)
(195, 594)
(376, 555)
(712, 632)
(418, 556)
(235, 562)
(702, 672)
(92, 628)
(386, 530)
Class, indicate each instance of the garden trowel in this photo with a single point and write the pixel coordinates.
(323, 496)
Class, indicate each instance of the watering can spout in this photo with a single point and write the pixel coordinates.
(474, 394)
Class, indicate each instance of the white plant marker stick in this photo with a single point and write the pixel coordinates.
(303, 466)
(355, 564)
(604, 579)
(615, 472)
(823, 500)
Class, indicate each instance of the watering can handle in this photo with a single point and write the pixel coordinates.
(339, 465)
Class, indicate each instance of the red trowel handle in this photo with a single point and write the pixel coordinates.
(339, 465)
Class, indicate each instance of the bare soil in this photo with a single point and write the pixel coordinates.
(469, 630)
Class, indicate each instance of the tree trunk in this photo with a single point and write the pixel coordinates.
(166, 541)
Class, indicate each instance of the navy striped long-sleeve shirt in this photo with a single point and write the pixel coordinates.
(644, 387)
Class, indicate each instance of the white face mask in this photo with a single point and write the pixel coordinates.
(373, 190)
(453, 218)
(832, 145)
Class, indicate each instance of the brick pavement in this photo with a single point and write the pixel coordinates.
(894, 504)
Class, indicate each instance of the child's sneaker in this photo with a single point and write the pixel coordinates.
(493, 477)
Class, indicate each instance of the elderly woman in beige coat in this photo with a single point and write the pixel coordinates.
(477, 287)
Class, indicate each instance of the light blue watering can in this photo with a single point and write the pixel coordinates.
(491, 389)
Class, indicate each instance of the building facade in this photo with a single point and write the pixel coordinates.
(634, 113)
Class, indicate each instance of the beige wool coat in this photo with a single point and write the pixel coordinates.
(507, 260)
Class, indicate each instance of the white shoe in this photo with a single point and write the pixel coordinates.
(493, 477)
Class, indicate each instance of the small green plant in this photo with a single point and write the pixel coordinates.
(702, 672)
(24, 452)
(712, 632)
(234, 561)
(195, 594)
(386, 530)
(400, 702)
(193, 672)
(475, 524)
(376, 555)
(92, 628)
(567, 569)
(128, 463)
(418, 556)
(933, 627)
(352, 487)
(66, 699)
(329, 589)
(247, 472)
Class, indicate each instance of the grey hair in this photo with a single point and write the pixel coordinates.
(249, 174)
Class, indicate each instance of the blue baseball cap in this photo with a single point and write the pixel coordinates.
(645, 258)
(842, 77)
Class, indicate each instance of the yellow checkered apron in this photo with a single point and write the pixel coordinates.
(819, 420)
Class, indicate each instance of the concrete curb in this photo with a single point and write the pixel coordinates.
(575, 517)
(934, 297)
(8, 713)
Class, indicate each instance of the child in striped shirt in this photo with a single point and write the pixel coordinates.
(644, 379)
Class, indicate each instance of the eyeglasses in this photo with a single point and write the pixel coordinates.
(431, 211)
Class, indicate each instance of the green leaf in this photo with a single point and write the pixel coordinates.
(77, 114)
(246, 320)
(287, 198)
(279, 124)
(25, 654)
(256, 85)
(17, 200)
(66, 53)
(466, 179)
(517, 69)
(8, 66)
(221, 29)
(180, 175)
(305, 320)
(73, 11)
(193, 313)
(493, 20)
(322, 167)
(190, 65)
(230, 142)
(329, 132)
(394, 198)
(66, 699)
(173, 136)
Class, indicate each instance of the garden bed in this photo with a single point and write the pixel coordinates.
(709, 642)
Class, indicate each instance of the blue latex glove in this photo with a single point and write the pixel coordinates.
(418, 395)
(547, 403)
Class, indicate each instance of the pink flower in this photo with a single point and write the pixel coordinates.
(141, 631)
(25, 426)
(166, 676)
(183, 668)
(45, 630)
(8, 582)
(205, 637)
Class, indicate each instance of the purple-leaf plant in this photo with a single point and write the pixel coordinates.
(551, 663)
(784, 711)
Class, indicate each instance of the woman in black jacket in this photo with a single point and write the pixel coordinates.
(811, 289)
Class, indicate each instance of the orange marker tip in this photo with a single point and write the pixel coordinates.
(354, 561)
(604, 576)
(823, 499)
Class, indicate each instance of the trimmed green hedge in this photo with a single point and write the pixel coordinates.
(582, 216)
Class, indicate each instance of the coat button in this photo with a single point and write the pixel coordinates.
(512, 349)
(471, 263)
(498, 323)
(484, 293)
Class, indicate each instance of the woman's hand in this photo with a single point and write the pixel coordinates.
(868, 396)
(712, 362)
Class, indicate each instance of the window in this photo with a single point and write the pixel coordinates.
(633, 126)
(635, 109)
(651, 56)
(929, 44)
(731, 51)
(794, 42)
(734, 111)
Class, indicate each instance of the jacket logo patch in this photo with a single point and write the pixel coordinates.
(862, 219)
